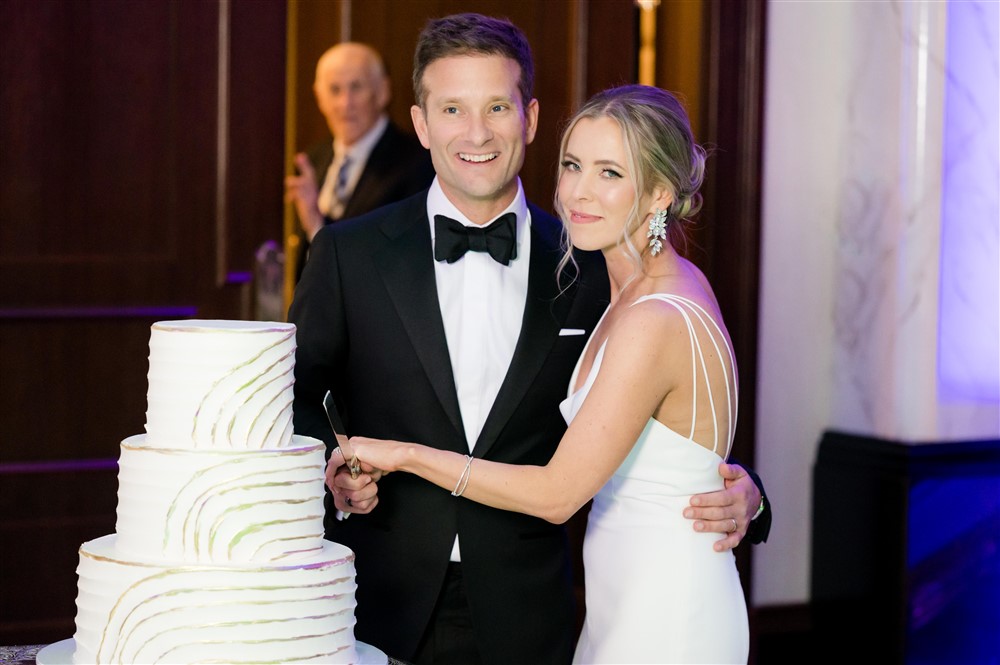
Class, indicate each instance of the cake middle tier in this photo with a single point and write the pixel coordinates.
(217, 506)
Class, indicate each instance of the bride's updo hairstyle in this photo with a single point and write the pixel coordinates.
(660, 150)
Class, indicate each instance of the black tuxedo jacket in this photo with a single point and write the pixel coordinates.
(397, 167)
(370, 329)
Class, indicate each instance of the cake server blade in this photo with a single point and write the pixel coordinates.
(337, 425)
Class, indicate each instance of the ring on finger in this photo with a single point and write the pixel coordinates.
(354, 466)
(733, 530)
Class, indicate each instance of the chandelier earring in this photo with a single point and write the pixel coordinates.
(657, 231)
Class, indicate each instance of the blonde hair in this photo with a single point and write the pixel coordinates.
(660, 151)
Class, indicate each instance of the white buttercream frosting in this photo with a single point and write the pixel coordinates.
(220, 384)
(145, 611)
(220, 506)
(218, 554)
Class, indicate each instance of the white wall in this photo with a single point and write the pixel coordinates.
(851, 242)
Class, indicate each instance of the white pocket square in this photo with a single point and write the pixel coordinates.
(567, 332)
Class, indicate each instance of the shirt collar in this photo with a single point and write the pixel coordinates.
(363, 147)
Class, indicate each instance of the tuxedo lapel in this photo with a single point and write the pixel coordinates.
(369, 191)
(545, 309)
(321, 159)
(407, 270)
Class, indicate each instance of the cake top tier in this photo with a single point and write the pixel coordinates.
(220, 384)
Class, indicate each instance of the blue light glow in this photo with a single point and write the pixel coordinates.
(969, 335)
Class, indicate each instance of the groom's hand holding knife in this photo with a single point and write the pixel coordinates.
(354, 491)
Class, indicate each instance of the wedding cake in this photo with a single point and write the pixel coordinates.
(218, 554)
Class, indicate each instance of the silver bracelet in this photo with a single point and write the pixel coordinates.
(463, 480)
(760, 509)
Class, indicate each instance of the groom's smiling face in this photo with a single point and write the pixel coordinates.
(476, 126)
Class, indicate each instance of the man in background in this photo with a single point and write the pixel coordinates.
(370, 161)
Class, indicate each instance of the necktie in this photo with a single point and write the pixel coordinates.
(333, 194)
(341, 188)
(452, 239)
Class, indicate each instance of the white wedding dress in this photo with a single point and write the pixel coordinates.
(656, 591)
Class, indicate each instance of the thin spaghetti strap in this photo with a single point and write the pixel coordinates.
(691, 311)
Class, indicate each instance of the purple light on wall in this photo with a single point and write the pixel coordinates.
(969, 307)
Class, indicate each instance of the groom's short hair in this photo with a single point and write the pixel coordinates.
(472, 34)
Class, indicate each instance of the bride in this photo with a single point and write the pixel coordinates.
(651, 406)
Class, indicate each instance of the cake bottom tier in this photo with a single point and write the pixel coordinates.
(137, 611)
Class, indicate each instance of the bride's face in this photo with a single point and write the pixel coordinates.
(595, 189)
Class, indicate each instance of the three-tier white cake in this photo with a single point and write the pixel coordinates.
(218, 554)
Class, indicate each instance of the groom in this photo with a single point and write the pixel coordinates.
(464, 350)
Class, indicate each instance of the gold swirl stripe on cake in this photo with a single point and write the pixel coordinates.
(198, 533)
(232, 371)
(199, 529)
(278, 418)
(177, 504)
(287, 432)
(209, 330)
(250, 362)
(127, 636)
(195, 507)
(237, 410)
(234, 454)
(252, 394)
(257, 528)
(197, 580)
(321, 565)
(164, 657)
(231, 402)
(311, 537)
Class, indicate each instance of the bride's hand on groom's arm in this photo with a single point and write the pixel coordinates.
(727, 511)
(379, 456)
(359, 495)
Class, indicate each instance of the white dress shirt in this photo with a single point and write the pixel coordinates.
(332, 202)
(482, 305)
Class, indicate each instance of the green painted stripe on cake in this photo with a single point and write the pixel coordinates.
(238, 410)
(256, 528)
(231, 372)
(195, 507)
(211, 572)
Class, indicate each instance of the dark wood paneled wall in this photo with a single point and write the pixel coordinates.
(727, 239)
(122, 204)
(130, 191)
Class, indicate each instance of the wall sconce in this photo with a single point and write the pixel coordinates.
(647, 40)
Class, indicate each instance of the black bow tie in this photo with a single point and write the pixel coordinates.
(452, 239)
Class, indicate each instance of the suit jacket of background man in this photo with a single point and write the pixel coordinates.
(370, 329)
(397, 167)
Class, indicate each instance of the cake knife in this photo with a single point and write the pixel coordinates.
(337, 425)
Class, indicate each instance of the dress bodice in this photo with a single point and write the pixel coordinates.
(671, 460)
